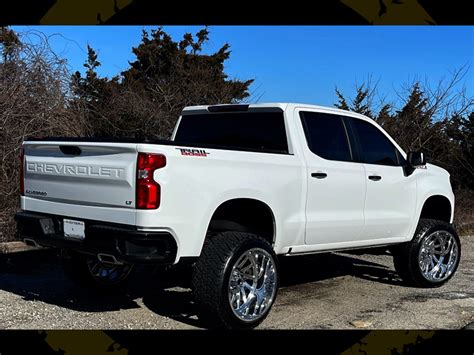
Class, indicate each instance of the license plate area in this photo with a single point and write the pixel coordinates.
(74, 229)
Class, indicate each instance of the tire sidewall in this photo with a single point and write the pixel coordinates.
(246, 245)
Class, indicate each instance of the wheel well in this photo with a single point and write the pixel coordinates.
(437, 207)
(243, 215)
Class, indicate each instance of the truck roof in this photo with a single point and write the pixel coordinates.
(271, 105)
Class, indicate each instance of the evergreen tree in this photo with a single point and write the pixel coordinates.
(9, 43)
(95, 94)
(182, 69)
(342, 103)
(166, 75)
(361, 103)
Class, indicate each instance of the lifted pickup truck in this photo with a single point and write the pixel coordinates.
(236, 186)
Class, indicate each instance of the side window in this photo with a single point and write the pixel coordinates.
(326, 136)
(376, 147)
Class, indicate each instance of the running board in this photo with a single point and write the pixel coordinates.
(290, 253)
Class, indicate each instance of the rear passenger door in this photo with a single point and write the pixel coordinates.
(391, 195)
(336, 184)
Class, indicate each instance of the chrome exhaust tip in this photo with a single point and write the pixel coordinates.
(108, 259)
(31, 242)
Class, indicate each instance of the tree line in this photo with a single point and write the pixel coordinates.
(39, 96)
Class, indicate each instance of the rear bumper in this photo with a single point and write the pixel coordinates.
(123, 241)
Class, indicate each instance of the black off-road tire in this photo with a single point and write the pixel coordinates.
(211, 278)
(75, 267)
(406, 255)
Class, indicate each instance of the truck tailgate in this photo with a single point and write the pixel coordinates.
(88, 174)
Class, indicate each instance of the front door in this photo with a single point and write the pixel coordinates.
(391, 195)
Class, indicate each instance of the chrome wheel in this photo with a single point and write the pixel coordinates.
(438, 256)
(106, 273)
(252, 285)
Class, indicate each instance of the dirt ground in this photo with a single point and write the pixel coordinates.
(330, 291)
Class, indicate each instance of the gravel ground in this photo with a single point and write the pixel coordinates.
(333, 291)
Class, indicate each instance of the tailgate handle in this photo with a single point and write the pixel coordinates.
(70, 149)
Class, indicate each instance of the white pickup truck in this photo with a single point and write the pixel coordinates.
(236, 186)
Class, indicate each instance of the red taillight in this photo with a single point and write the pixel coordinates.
(148, 190)
(22, 177)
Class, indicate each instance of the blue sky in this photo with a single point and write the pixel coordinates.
(296, 64)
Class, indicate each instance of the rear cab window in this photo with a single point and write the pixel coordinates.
(256, 131)
(326, 136)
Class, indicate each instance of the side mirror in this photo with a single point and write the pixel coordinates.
(416, 159)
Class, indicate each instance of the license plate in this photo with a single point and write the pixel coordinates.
(74, 229)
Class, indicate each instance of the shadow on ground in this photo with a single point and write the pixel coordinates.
(37, 276)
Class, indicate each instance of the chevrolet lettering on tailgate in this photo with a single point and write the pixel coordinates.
(73, 170)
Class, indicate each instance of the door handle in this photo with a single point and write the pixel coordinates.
(319, 175)
(375, 177)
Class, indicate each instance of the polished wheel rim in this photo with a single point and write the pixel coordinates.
(438, 256)
(252, 285)
(107, 273)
